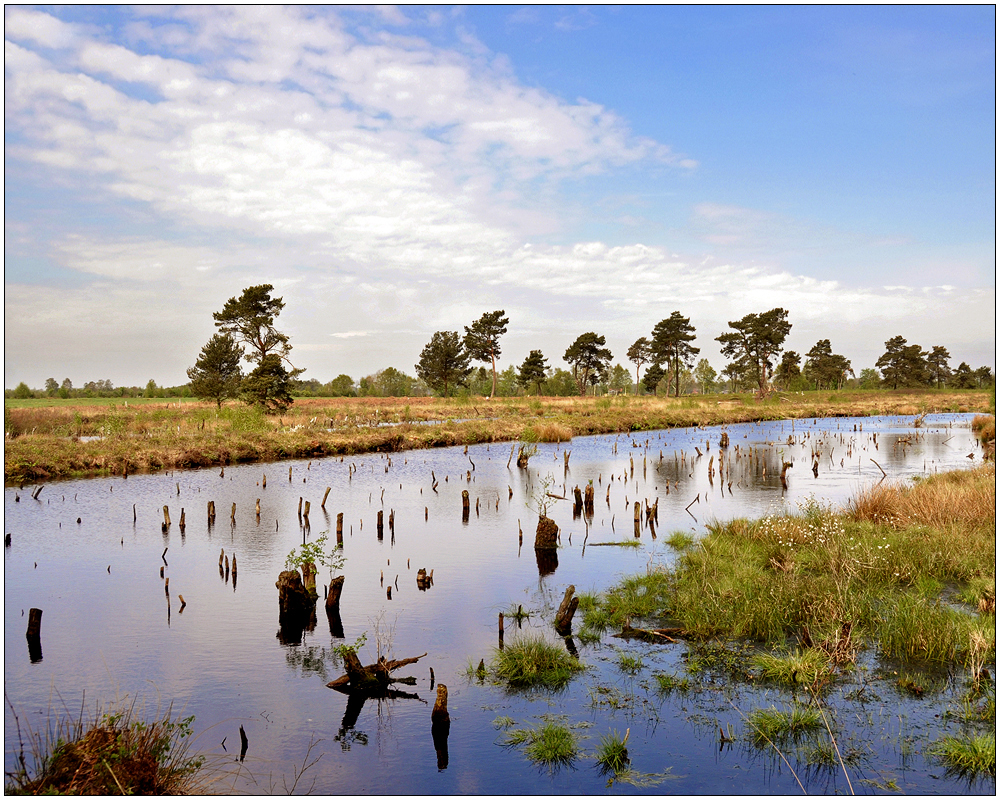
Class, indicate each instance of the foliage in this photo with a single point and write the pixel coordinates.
(705, 376)
(671, 343)
(902, 364)
(342, 386)
(216, 375)
(315, 552)
(938, 371)
(589, 358)
(826, 369)
(482, 340)
(788, 370)
(444, 362)
(22, 392)
(755, 342)
(269, 386)
(641, 352)
(250, 319)
(652, 378)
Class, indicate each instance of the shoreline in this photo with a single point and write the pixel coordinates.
(43, 443)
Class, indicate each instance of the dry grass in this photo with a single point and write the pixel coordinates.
(548, 432)
(116, 753)
(967, 497)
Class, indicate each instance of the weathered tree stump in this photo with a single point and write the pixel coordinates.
(34, 635)
(546, 534)
(567, 608)
(724, 440)
(295, 605)
(577, 502)
(465, 505)
(440, 726)
(334, 592)
(424, 580)
(588, 500)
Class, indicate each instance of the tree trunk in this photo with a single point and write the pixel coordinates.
(334, 592)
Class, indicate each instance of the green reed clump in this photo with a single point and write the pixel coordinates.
(967, 755)
(801, 666)
(776, 726)
(612, 754)
(532, 662)
(680, 540)
(549, 743)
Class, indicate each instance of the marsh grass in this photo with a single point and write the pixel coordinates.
(811, 666)
(116, 752)
(679, 540)
(771, 725)
(532, 662)
(667, 682)
(967, 755)
(612, 753)
(630, 662)
(549, 743)
(882, 572)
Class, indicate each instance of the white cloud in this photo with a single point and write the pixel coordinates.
(386, 186)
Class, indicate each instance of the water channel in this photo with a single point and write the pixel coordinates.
(89, 552)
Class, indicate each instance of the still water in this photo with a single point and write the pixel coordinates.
(89, 552)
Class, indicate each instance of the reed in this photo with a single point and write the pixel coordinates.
(967, 755)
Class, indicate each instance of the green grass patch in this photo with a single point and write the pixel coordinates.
(549, 743)
(630, 662)
(612, 754)
(680, 540)
(531, 662)
(667, 682)
(778, 726)
(967, 755)
(810, 667)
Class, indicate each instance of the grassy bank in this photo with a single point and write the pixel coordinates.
(47, 439)
(907, 573)
(909, 570)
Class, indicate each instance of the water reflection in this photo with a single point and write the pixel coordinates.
(478, 572)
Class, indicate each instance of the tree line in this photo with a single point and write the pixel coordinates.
(753, 347)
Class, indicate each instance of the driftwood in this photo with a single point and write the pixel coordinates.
(651, 635)
(373, 679)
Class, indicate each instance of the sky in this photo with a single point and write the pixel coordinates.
(393, 172)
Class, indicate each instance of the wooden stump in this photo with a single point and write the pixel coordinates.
(465, 505)
(567, 608)
(588, 500)
(546, 534)
(334, 592)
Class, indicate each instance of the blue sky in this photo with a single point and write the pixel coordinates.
(398, 171)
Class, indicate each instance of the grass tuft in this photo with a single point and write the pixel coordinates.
(810, 667)
(532, 662)
(612, 754)
(969, 756)
(549, 743)
(774, 725)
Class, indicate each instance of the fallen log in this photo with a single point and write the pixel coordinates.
(651, 635)
(373, 678)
